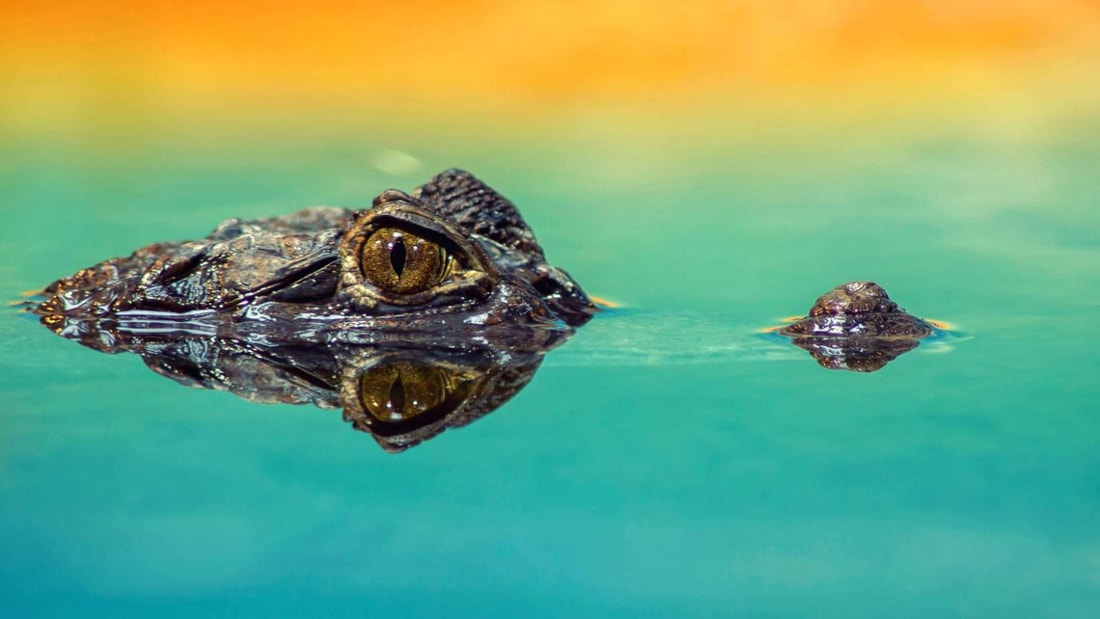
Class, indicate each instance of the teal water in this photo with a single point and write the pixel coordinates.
(667, 461)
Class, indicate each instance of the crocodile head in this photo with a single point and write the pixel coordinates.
(451, 256)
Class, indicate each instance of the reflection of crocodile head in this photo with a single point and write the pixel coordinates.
(856, 327)
(402, 395)
(452, 256)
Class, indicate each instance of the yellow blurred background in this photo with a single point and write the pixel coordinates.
(205, 68)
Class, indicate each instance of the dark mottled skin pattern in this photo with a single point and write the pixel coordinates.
(293, 271)
(857, 327)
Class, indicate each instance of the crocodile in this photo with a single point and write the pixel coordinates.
(453, 258)
(426, 311)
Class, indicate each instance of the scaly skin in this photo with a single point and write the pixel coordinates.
(301, 275)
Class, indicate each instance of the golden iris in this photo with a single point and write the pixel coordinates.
(401, 262)
(396, 391)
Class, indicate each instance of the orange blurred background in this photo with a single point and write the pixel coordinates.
(211, 67)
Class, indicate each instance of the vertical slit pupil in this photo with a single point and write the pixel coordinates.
(397, 256)
(397, 395)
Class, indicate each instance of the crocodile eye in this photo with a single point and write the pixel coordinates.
(398, 391)
(396, 256)
(401, 262)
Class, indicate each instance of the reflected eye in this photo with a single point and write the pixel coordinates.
(398, 391)
(400, 262)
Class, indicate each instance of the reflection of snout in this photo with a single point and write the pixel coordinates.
(855, 354)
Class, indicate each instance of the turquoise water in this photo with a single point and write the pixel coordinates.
(667, 461)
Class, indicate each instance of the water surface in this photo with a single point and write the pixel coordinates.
(667, 461)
